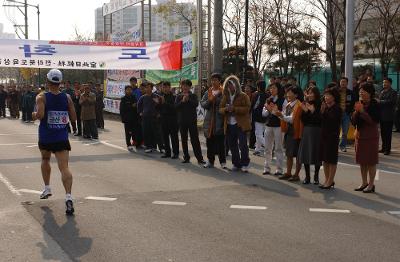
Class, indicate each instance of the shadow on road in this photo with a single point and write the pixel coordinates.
(67, 236)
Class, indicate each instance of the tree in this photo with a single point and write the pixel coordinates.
(383, 33)
(175, 13)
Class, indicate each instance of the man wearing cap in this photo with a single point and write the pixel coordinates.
(54, 110)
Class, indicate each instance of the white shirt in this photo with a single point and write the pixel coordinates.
(232, 118)
(265, 112)
(288, 119)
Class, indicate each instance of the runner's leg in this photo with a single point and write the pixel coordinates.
(62, 161)
(45, 166)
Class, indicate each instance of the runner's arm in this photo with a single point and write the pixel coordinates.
(39, 114)
(71, 109)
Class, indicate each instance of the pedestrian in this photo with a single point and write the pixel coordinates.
(248, 90)
(21, 106)
(54, 109)
(366, 119)
(75, 99)
(387, 104)
(88, 113)
(258, 118)
(13, 101)
(347, 100)
(129, 116)
(397, 119)
(70, 91)
(330, 132)
(28, 103)
(213, 125)
(309, 149)
(235, 107)
(273, 132)
(293, 129)
(148, 107)
(186, 105)
(138, 140)
(3, 98)
(169, 122)
(99, 106)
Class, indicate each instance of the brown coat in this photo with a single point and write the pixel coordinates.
(241, 107)
(88, 111)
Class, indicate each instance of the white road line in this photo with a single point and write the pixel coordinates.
(248, 207)
(93, 143)
(18, 134)
(394, 213)
(33, 146)
(101, 198)
(381, 170)
(17, 144)
(114, 146)
(169, 203)
(326, 210)
(9, 185)
(23, 190)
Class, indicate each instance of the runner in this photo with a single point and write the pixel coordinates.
(54, 109)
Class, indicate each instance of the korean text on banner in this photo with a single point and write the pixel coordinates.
(115, 89)
(111, 105)
(187, 72)
(91, 55)
(116, 5)
(188, 46)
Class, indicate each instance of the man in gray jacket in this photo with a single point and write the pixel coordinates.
(213, 125)
(387, 102)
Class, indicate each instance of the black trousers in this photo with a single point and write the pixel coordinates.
(169, 126)
(397, 120)
(216, 146)
(23, 111)
(3, 110)
(90, 129)
(190, 128)
(252, 138)
(386, 135)
(27, 114)
(149, 132)
(79, 122)
(99, 118)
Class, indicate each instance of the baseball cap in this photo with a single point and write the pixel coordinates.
(54, 76)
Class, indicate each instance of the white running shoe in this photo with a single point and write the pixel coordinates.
(46, 193)
(208, 165)
(245, 169)
(148, 150)
(223, 166)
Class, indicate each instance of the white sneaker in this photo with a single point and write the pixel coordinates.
(208, 165)
(245, 169)
(223, 166)
(46, 193)
(130, 148)
(148, 150)
(235, 169)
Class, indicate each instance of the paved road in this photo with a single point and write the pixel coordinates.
(198, 222)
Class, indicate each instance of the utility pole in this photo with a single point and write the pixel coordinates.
(350, 5)
(246, 36)
(218, 40)
(26, 18)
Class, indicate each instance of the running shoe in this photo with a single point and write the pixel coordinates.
(46, 194)
(69, 207)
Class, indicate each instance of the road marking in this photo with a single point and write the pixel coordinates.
(9, 185)
(114, 146)
(18, 134)
(33, 146)
(381, 170)
(169, 203)
(326, 210)
(248, 207)
(394, 213)
(93, 143)
(23, 190)
(101, 198)
(17, 144)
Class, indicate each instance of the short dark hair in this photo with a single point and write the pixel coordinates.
(167, 83)
(331, 85)
(128, 86)
(369, 88)
(217, 76)
(344, 78)
(333, 92)
(186, 82)
(295, 90)
(262, 85)
(133, 79)
(388, 79)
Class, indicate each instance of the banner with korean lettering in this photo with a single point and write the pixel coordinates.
(91, 55)
(115, 89)
(188, 46)
(111, 105)
(116, 5)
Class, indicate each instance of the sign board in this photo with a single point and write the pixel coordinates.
(116, 5)
(111, 105)
(91, 55)
(187, 72)
(115, 89)
(188, 46)
(133, 34)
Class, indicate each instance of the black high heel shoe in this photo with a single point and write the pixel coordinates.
(372, 190)
(361, 188)
(327, 187)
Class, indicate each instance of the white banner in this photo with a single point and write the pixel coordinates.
(133, 34)
(188, 46)
(111, 105)
(116, 5)
(91, 55)
(115, 89)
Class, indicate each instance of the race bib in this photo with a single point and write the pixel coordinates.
(57, 119)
